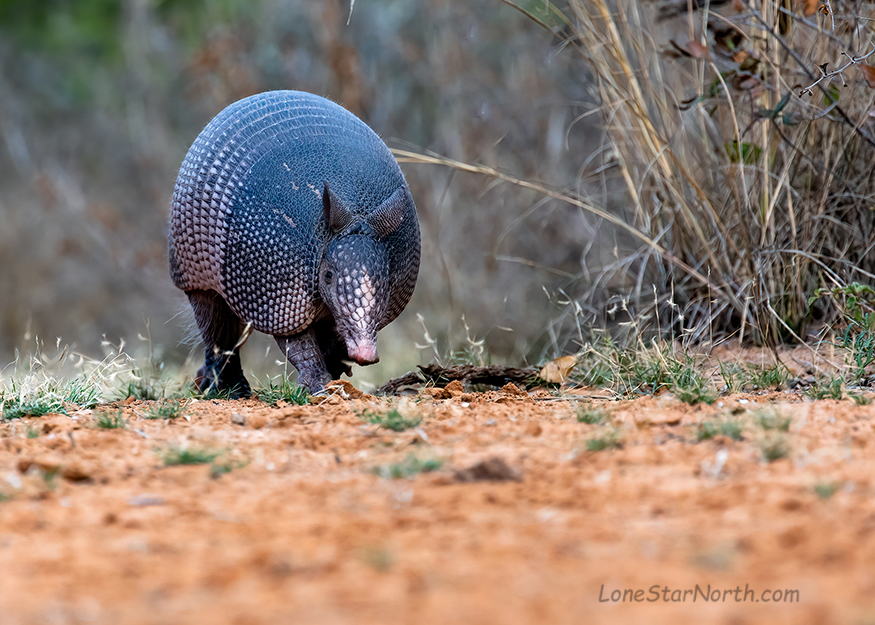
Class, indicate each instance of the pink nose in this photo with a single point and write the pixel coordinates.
(363, 352)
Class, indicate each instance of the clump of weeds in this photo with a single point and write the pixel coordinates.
(860, 399)
(825, 490)
(167, 409)
(283, 390)
(110, 421)
(774, 447)
(38, 396)
(177, 455)
(593, 415)
(410, 466)
(608, 439)
(833, 389)
(218, 469)
(391, 420)
(772, 419)
(730, 428)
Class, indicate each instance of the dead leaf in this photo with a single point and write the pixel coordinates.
(740, 55)
(868, 74)
(810, 7)
(493, 469)
(344, 388)
(696, 49)
(726, 39)
(556, 371)
(690, 49)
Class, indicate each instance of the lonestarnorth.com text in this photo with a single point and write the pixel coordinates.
(666, 594)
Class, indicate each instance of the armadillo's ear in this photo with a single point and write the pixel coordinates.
(388, 217)
(337, 216)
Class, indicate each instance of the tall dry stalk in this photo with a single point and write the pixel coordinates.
(747, 164)
(728, 165)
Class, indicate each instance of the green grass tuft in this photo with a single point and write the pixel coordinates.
(609, 440)
(587, 413)
(37, 397)
(83, 392)
(771, 419)
(774, 448)
(218, 469)
(109, 421)
(767, 377)
(408, 467)
(212, 393)
(379, 559)
(695, 395)
(285, 391)
(167, 409)
(729, 428)
(33, 407)
(391, 420)
(176, 456)
(834, 389)
(825, 490)
(860, 399)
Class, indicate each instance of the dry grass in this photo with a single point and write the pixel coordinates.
(745, 182)
(758, 194)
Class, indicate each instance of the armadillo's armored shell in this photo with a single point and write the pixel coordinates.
(247, 213)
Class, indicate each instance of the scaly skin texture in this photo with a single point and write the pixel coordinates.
(290, 216)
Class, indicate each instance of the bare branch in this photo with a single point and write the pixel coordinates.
(852, 60)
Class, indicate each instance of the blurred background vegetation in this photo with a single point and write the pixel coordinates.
(724, 207)
(101, 99)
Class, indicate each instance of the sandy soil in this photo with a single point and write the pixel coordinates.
(94, 528)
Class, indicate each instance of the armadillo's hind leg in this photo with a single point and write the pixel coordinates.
(223, 333)
(302, 350)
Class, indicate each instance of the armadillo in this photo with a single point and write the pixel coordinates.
(290, 216)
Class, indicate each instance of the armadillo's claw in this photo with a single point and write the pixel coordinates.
(213, 378)
(303, 352)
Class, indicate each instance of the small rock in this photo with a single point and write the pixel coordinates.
(75, 472)
(345, 388)
(146, 500)
(664, 417)
(238, 419)
(454, 388)
(435, 393)
(533, 428)
(512, 389)
(49, 464)
(504, 399)
(257, 421)
(493, 469)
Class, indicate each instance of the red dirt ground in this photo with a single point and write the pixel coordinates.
(94, 528)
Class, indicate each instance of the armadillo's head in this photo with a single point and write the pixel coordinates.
(354, 272)
(353, 282)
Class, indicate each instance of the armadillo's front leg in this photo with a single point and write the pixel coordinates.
(223, 334)
(302, 350)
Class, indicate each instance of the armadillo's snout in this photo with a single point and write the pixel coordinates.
(363, 352)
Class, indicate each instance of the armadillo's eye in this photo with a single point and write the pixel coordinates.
(328, 275)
